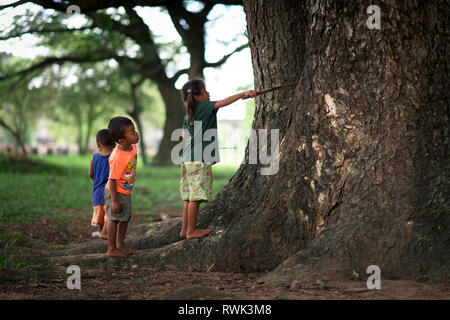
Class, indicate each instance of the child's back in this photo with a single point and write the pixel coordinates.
(101, 174)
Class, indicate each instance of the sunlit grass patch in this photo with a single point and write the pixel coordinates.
(44, 193)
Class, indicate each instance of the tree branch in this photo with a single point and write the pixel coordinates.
(87, 6)
(178, 74)
(7, 127)
(218, 63)
(92, 57)
(43, 31)
(225, 57)
(205, 11)
(14, 4)
(139, 29)
(177, 12)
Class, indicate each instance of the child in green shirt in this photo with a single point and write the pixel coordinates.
(199, 153)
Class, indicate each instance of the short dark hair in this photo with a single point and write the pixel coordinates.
(116, 125)
(105, 138)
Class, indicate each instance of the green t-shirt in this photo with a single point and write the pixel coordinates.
(201, 142)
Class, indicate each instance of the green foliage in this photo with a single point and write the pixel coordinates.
(154, 110)
(100, 92)
(43, 190)
(9, 238)
(79, 42)
(7, 262)
(23, 101)
(101, 89)
(14, 257)
(81, 104)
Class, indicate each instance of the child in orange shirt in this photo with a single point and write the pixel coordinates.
(122, 176)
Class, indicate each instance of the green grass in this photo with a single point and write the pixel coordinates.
(53, 186)
(8, 238)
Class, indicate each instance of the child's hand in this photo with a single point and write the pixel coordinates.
(249, 94)
(115, 206)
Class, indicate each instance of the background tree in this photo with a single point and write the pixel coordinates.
(84, 102)
(22, 100)
(118, 27)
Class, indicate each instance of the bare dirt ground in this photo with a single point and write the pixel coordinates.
(140, 283)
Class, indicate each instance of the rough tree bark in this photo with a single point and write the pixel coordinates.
(364, 171)
(363, 156)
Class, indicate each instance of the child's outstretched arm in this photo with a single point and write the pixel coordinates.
(91, 170)
(234, 98)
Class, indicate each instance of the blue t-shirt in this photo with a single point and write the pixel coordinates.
(101, 174)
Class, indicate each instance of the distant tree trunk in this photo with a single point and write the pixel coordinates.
(79, 123)
(84, 135)
(17, 136)
(142, 147)
(22, 147)
(89, 125)
(18, 126)
(135, 113)
(174, 119)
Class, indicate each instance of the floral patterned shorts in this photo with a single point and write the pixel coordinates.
(196, 181)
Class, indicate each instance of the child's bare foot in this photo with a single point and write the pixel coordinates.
(128, 251)
(116, 253)
(103, 233)
(198, 233)
(182, 234)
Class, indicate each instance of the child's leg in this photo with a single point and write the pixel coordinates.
(191, 232)
(104, 231)
(120, 241)
(97, 219)
(103, 222)
(113, 251)
(184, 222)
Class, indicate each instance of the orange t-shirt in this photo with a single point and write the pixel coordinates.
(122, 168)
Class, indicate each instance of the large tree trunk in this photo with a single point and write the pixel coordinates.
(363, 174)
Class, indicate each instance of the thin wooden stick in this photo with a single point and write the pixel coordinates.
(286, 85)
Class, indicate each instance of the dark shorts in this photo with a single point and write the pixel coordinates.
(124, 213)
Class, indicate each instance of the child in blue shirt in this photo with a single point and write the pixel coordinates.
(99, 172)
